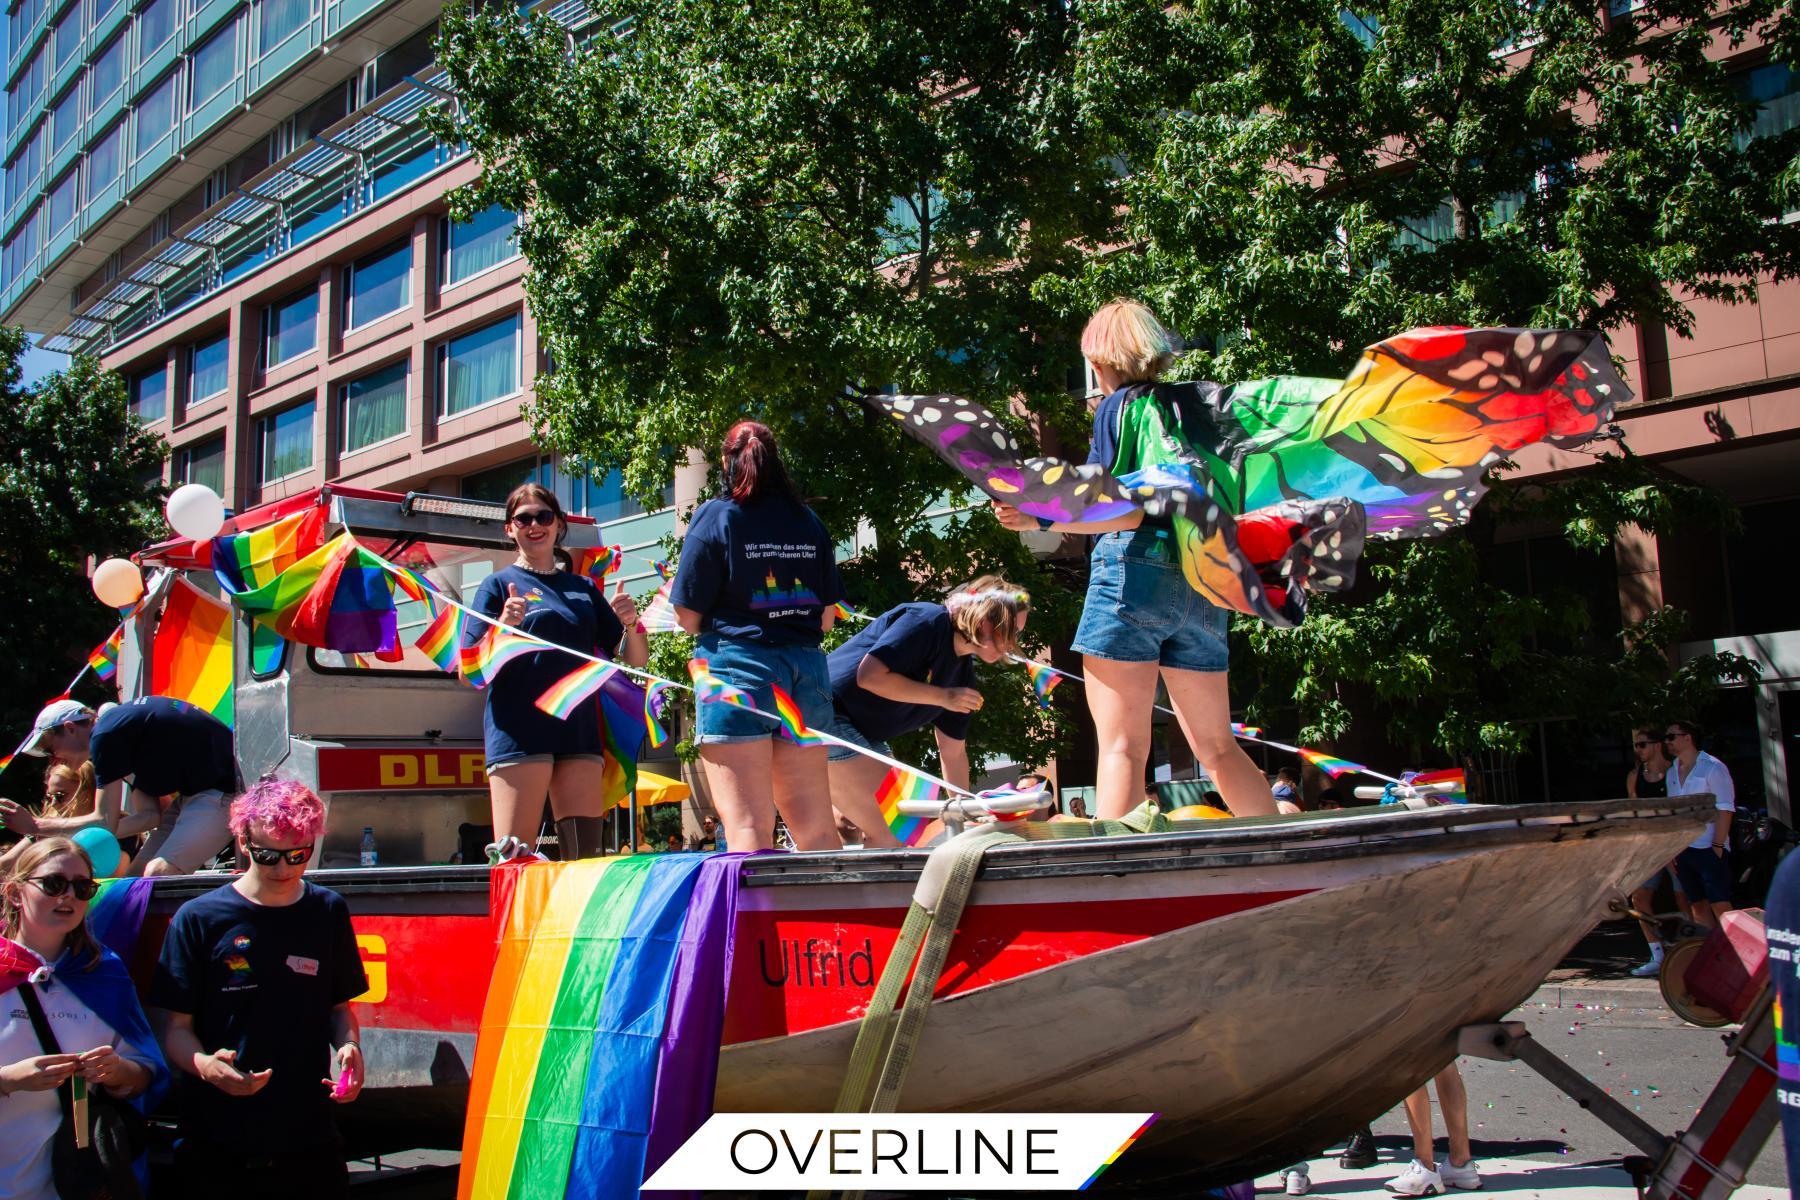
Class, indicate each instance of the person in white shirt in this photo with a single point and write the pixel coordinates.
(1704, 868)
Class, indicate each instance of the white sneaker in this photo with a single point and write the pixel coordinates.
(1647, 970)
(1417, 1180)
(1466, 1177)
(1296, 1179)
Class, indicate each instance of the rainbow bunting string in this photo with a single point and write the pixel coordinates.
(793, 726)
(443, 638)
(483, 659)
(598, 1050)
(710, 689)
(103, 660)
(568, 693)
(900, 785)
(845, 612)
(597, 562)
(1330, 764)
(190, 658)
(663, 569)
(654, 699)
(1252, 732)
(1043, 681)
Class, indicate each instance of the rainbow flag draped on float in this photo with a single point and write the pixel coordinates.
(339, 597)
(190, 658)
(599, 1042)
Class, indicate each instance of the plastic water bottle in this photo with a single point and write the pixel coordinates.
(368, 846)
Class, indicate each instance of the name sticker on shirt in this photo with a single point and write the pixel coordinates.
(303, 966)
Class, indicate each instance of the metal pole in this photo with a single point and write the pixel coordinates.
(1507, 1041)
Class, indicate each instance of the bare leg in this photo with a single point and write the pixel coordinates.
(577, 788)
(1203, 706)
(1418, 1119)
(1642, 899)
(738, 773)
(853, 784)
(1719, 909)
(517, 794)
(803, 794)
(1702, 911)
(1120, 696)
(1453, 1102)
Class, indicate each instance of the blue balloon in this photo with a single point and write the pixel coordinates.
(102, 849)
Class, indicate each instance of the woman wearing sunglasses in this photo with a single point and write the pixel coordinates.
(531, 754)
(87, 1002)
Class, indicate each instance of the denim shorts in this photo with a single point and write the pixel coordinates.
(841, 727)
(1140, 607)
(799, 671)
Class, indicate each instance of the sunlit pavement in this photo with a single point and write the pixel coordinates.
(1516, 1177)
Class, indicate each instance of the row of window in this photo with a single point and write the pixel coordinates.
(476, 369)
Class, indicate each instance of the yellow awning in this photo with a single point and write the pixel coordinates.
(655, 789)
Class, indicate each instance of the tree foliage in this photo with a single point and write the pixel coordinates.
(79, 478)
(736, 210)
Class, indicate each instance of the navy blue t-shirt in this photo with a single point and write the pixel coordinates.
(561, 607)
(261, 981)
(764, 571)
(1782, 923)
(914, 640)
(164, 746)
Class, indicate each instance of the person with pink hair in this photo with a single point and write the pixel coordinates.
(252, 997)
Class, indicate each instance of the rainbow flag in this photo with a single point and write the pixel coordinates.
(411, 584)
(1043, 681)
(793, 726)
(654, 699)
(245, 562)
(900, 785)
(597, 562)
(568, 693)
(663, 569)
(483, 659)
(599, 1043)
(340, 597)
(103, 660)
(658, 616)
(190, 658)
(1331, 765)
(443, 638)
(7, 762)
(1253, 733)
(845, 612)
(1459, 795)
(710, 689)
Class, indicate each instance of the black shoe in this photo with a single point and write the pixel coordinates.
(1359, 1152)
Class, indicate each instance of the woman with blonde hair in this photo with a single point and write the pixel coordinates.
(1142, 621)
(914, 666)
(54, 975)
(69, 791)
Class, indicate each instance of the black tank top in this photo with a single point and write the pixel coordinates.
(1649, 789)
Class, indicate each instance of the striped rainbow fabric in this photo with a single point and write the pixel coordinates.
(566, 694)
(484, 658)
(1043, 681)
(654, 699)
(443, 637)
(710, 689)
(599, 1042)
(1252, 732)
(245, 562)
(103, 660)
(1453, 775)
(1331, 764)
(793, 725)
(340, 597)
(597, 562)
(900, 785)
(190, 658)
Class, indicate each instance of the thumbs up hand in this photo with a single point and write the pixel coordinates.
(624, 607)
(514, 610)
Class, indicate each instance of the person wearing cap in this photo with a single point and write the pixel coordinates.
(162, 747)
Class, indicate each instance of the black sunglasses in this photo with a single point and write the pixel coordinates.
(268, 856)
(1669, 737)
(538, 516)
(56, 885)
(1642, 745)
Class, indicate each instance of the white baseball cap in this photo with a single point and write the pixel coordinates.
(55, 715)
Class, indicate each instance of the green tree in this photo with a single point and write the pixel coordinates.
(79, 479)
(1321, 181)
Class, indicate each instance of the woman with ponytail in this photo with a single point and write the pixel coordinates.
(911, 667)
(757, 582)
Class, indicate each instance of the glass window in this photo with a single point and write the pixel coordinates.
(479, 368)
(215, 66)
(374, 407)
(1775, 91)
(605, 500)
(105, 159)
(377, 285)
(278, 20)
(495, 484)
(203, 462)
(149, 394)
(99, 10)
(107, 73)
(156, 25)
(472, 246)
(291, 328)
(156, 114)
(285, 443)
(22, 172)
(209, 369)
(67, 39)
(64, 201)
(65, 119)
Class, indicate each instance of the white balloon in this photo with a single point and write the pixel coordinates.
(118, 582)
(195, 511)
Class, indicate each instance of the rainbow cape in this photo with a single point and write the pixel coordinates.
(568, 693)
(1330, 764)
(103, 660)
(190, 658)
(599, 1042)
(245, 562)
(900, 785)
(1043, 681)
(340, 597)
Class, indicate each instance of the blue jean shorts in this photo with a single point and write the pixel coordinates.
(841, 727)
(799, 671)
(1140, 608)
